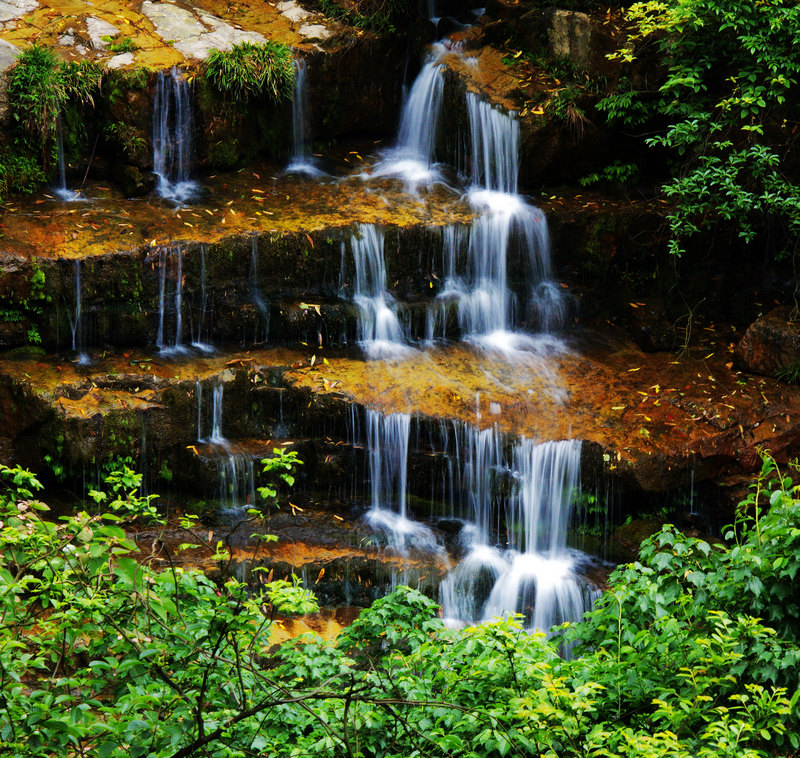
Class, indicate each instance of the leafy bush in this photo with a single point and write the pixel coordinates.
(20, 173)
(36, 95)
(730, 99)
(102, 654)
(252, 72)
(39, 88)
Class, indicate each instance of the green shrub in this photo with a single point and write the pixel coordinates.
(20, 173)
(40, 87)
(251, 72)
(729, 102)
(36, 94)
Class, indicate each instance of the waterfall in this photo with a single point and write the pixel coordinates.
(513, 502)
(412, 158)
(197, 342)
(387, 439)
(77, 325)
(62, 192)
(256, 296)
(236, 474)
(168, 305)
(487, 308)
(535, 574)
(380, 333)
(302, 161)
(172, 137)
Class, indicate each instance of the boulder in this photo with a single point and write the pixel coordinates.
(771, 344)
(582, 40)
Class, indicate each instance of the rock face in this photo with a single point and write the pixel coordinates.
(771, 344)
(581, 40)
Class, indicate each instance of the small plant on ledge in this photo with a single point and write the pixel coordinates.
(251, 72)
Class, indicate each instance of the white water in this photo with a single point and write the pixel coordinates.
(533, 572)
(236, 486)
(302, 161)
(387, 439)
(62, 191)
(173, 137)
(76, 324)
(514, 504)
(412, 158)
(204, 346)
(170, 305)
(380, 333)
(487, 309)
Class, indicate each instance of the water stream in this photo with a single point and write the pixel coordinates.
(412, 157)
(262, 329)
(62, 191)
(512, 501)
(170, 306)
(380, 333)
(77, 321)
(201, 335)
(173, 137)
(236, 475)
(302, 161)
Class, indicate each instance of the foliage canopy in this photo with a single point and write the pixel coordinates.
(729, 97)
(102, 654)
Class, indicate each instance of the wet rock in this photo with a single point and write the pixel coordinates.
(771, 344)
(118, 61)
(650, 329)
(11, 9)
(582, 40)
(8, 54)
(133, 181)
(349, 94)
(14, 276)
(293, 11)
(13, 333)
(96, 28)
(195, 35)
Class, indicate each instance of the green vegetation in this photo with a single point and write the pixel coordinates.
(40, 87)
(729, 99)
(122, 45)
(691, 652)
(615, 173)
(374, 15)
(251, 72)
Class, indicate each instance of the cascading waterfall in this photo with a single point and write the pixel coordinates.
(486, 312)
(302, 161)
(387, 440)
(262, 331)
(198, 342)
(173, 305)
(412, 158)
(62, 191)
(77, 325)
(514, 504)
(380, 333)
(534, 573)
(489, 314)
(236, 486)
(172, 137)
